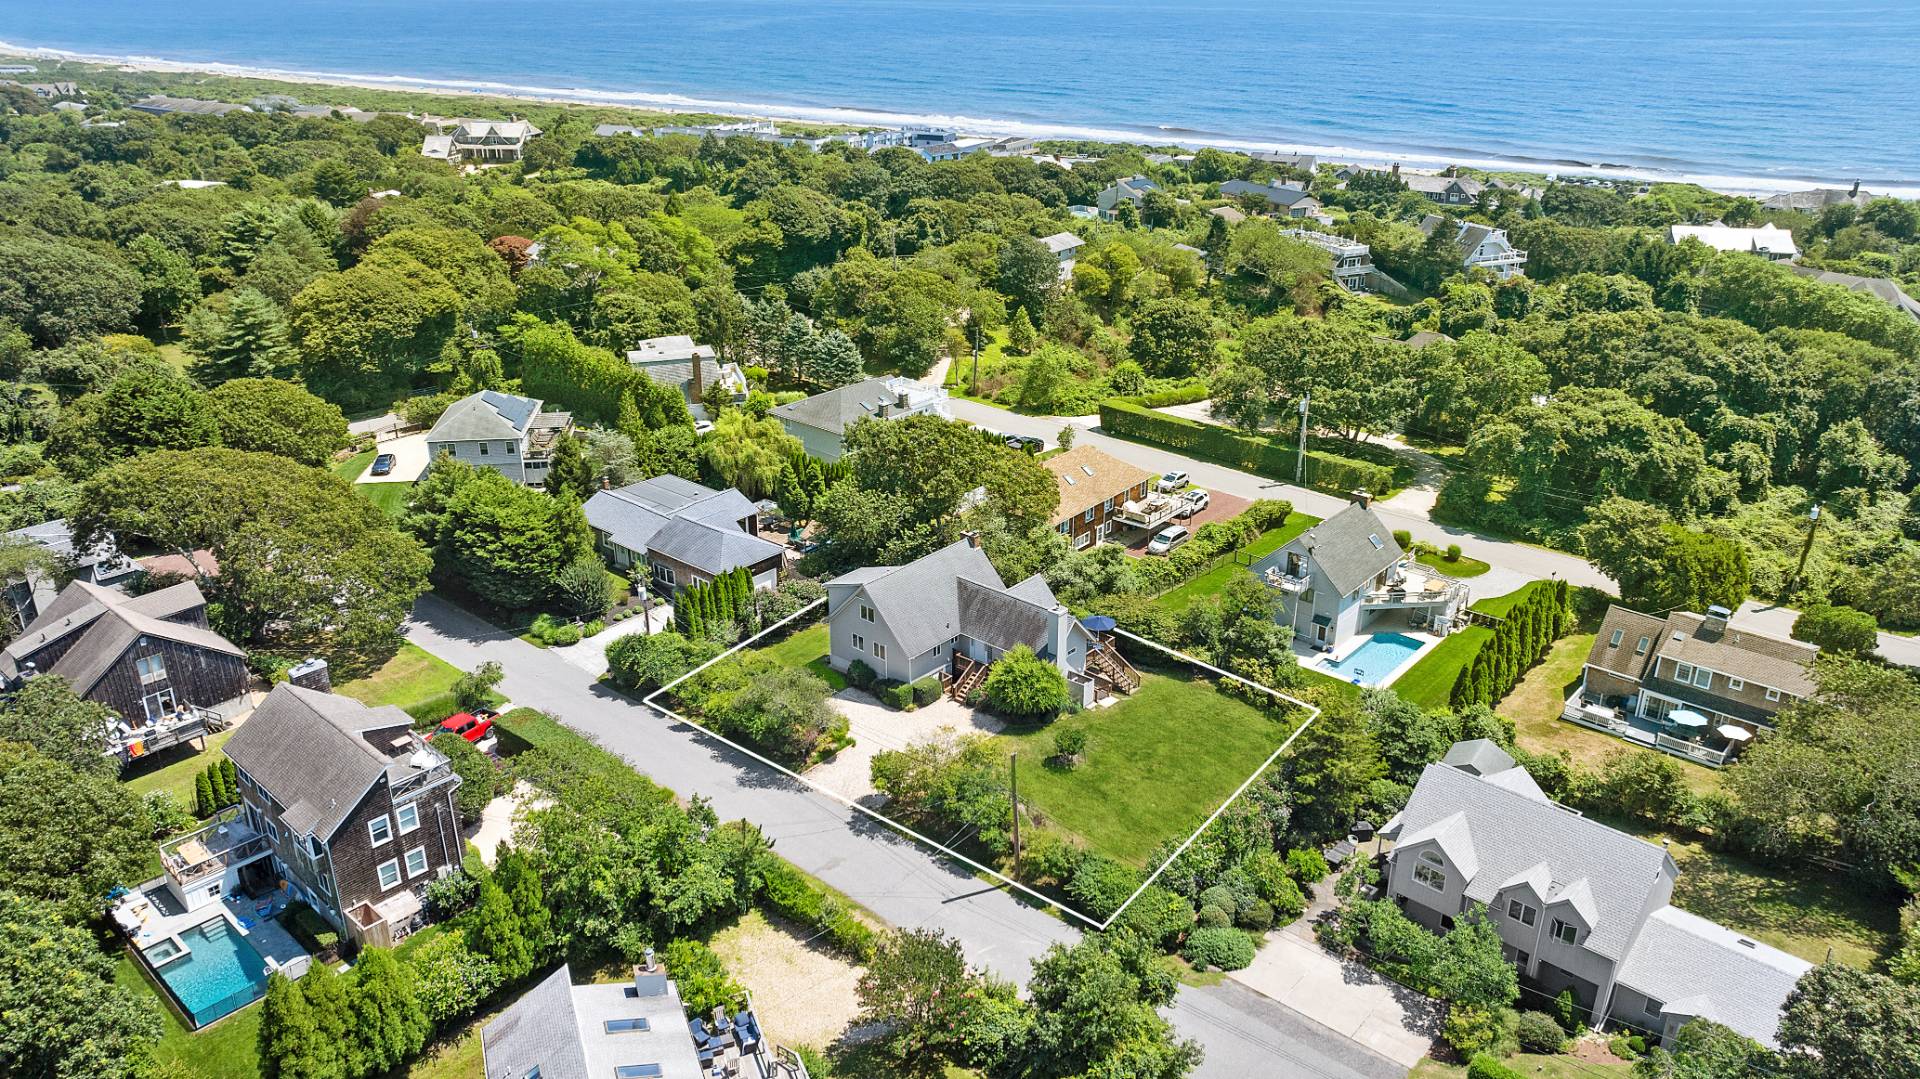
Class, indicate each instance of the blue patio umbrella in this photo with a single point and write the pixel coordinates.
(1098, 623)
(1686, 717)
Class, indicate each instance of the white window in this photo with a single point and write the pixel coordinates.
(151, 668)
(1683, 671)
(859, 643)
(1614, 641)
(663, 573)
(1703, 678)
(1520, 912)
(1736, 683)
(408, 817)
(273, 832)
(1107, 505)
(1430, 877)
(379, 829)
(1088, 516)
(1773, 694)
(1641, 648)
(879, 650)
(389, 874)
(1565, 932)
(866, 613)
(416, 861)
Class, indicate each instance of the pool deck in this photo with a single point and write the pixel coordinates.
(1324, 662)
(160, 918)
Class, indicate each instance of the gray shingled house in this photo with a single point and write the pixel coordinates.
(1579, 906)
(678, 362)
(1346, 577)
(152, 659)
(356, 807)
(684, 532)
(820, 422)
(950, 613)
(508, 434)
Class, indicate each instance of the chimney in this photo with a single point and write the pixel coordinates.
(1855, 193)
(1716, 621)
(1396, 170)
(903, 399)
(649, 980)
(972, 538)
(311, 673)
(1361, 497)
(699, 389)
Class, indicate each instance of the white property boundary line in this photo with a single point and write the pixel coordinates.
(1313, 713)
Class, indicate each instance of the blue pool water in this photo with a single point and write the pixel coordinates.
(1374, 660)
(221, 973)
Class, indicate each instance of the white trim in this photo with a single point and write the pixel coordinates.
(386, 824)
(410, 807)
(380, 875)
(424, 864)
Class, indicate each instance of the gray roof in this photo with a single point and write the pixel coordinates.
(1130, 189)
(1700, 969)
(1278, 194)
(838, 409)
(1303, 162)
(162, 103)
(1880, 287)
(1351, 548)
(1818, 199)
(683, 520)
(1509, 833)
(952, 592)
(108, 623)
(1682, 635)
(316, 754)
(486, 415)
(1480, 756)
(606, 130)
(540, 1030)
(57, 536)
(1062, 241)
(669, 362)
(999, 617)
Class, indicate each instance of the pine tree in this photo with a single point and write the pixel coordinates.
(1020, 332)
(203, 803)
(335, 1041)
(570, 473)
(387, 1016)
(791, 494)
(816, 481)
(682, 618)
(231, 772)
(254, 339)
(288, 1037)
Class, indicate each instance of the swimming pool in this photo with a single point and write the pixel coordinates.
(1375, 660)
(220, 974)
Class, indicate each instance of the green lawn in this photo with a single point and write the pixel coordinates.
(172, 770)
(229, 1049)
(413, 676)
(1532, 1066)
(1156, 764)
(390, 497)
(1462, 567)
(1211, 582)
(808, 648)
(1430, 683)
(351, 468)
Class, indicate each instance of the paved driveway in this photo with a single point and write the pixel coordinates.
(409, 460)
(590, 655)
(1389, 1019)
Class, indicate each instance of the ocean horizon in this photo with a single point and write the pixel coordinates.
(1736, 96)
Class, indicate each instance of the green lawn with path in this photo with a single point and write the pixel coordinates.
(413, 676)
(1211, 582)
(1156, 764)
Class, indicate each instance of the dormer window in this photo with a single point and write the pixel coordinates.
(1520, 912)
(1614, 641)
(1565, 932)
(1426, 873)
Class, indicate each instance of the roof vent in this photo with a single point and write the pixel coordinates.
(1745, 943)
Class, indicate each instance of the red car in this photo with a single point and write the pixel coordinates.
(468, 726)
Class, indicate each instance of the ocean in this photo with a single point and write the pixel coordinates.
(1741, 94)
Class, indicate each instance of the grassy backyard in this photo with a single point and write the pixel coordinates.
(172, 770)
(390, 497)
(412, 677)
(808, 648)
(1430, 683)
(1156, 764)
(1211, 582)
(229, 1049)
(351, 468)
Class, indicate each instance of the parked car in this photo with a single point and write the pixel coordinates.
(469, 726)
(1172, 481)
(1025, 443)
(1169, 538)
(383, 465)
(1192, 502)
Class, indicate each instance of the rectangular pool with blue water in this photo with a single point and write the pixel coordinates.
(1375, 662)
(217, 972)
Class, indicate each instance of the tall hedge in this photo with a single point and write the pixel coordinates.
(726, 598)
(1518, 642)
(1252, 453)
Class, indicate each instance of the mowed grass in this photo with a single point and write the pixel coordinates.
(1156, 764)
(1211, 582)
(172, 770)
(229, 1049)
(351, 468)
(1533, 1066)
(413, 676)
(1802, 909)
(390, 497)
(1430, 683)
(1461, 567)
(808, 649)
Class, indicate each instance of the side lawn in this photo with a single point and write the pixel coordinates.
(1211, 582)
(1156, 763)
(1430, 683)
(229, 1049)
(412, 679)
(172, 770)
(808, 649)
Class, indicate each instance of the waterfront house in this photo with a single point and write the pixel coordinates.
(152, 659)
(820, 422)
(1693, 685)
(355, 806)
(1346, 578)
(1129, 189)
(1282, 199)
(949, 614)
(952, 150)
(684, 533)
(487, 142)
(1352, 260)
(1769, 241)
(1579, 906)
(508, 434)
(1095, 489)
(1817, 199)
(1450, 190)
(163, 105)
(1288, 160)
(1482, 247)
(677, 361)
(1883, 289)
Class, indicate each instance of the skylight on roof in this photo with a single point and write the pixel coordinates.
(1374, 539)
(1087, 470)
(1070, 480)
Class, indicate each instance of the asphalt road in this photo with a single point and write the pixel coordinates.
(902, 882)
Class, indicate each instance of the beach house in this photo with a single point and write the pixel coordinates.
(820, 422)
(1352, 260)
(1482, 247)
(486, 142)
(1769, 241)
(678, 362)
(1065, 247)
(1282, 199)
(1129, 189)
(684, 533)
(501, 431)
(1580, 907)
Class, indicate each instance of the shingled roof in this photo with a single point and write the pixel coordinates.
(1087, 477)
(683, 520)
(952, 592)
(1351, 548)
(107, 623)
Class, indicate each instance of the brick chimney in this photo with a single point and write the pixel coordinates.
(1855, 193)
(1396, 170)
(972, 538)
(699, 382)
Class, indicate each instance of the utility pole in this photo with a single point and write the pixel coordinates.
(1813, 526)
(1300, 460)
(1013, 763)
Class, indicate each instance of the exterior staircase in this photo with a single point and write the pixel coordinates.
(967, 679)
(1107, 662)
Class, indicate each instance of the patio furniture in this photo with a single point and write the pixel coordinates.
(1732, 733)
(1686, 717)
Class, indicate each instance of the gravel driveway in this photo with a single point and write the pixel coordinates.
(876, 727)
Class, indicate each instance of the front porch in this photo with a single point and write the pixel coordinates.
(1678, 728)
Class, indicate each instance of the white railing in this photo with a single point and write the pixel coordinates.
(1285, 582)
